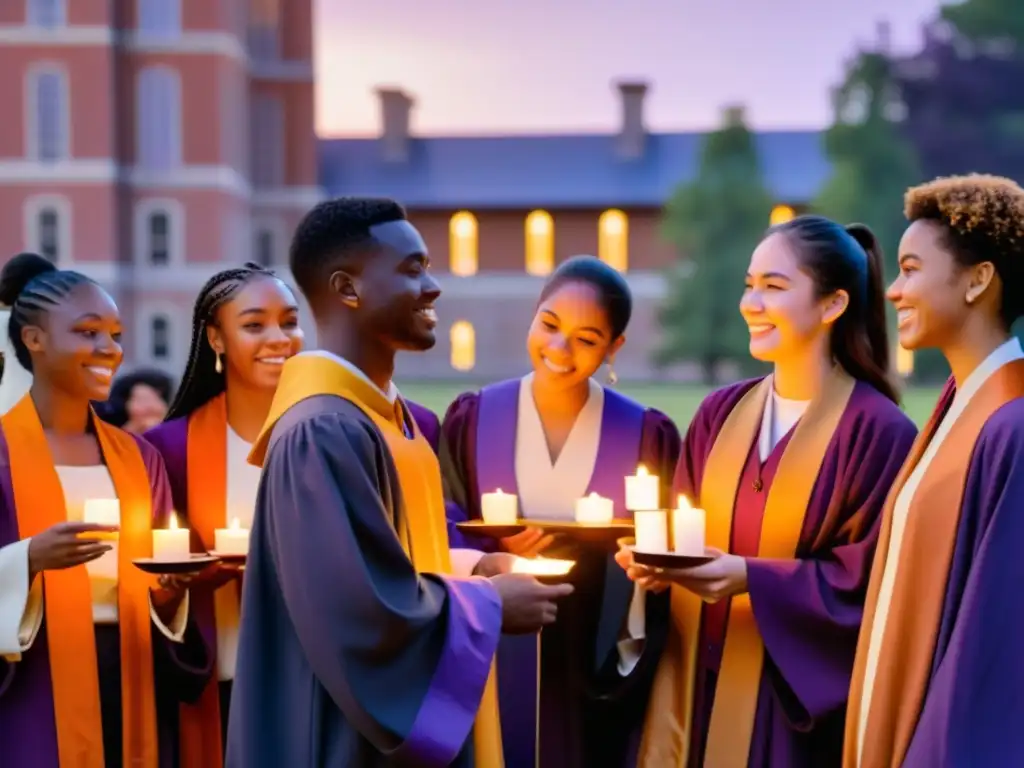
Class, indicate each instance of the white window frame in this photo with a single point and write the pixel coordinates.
(158, 11)
(32, 143)
(144, 335)
(176, 149)
(33, 207)
(34, 10)
(175, 212)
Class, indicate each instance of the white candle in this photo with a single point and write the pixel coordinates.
(102, 512)
(171, 544)
(688, 526)
(542, 566)
(643, 490)
(233, 540)
(595, 510)
(651, 526)
(499, 508)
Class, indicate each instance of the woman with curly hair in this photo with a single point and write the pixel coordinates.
(939, 672)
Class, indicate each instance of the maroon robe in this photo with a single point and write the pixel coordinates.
(808, 610)
(27, 728)
(588, 712)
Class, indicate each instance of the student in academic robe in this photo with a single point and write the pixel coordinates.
(95, 655)
(939, 674)
(245, 325)
(551, 437)
(358, 646)
(792, 471)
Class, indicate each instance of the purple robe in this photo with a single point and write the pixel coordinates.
(588, 711)
(974, 702)
(347, 656)
(428, 423)
(808, 610)
(27, 725)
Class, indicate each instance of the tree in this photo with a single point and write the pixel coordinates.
(715, 222)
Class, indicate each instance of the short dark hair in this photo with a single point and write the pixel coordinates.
(330, 230)
(984, 221)
(31, 285)
(116, 407)
(613, 291)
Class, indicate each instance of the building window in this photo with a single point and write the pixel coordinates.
(48, 113)
(159, 18)
(780, 215)
(159, 233)
(158, 119)
(540, 243)
(264, 29)
(264, 247)
(46, 13)
(48, 227)
(160, 338)
(613, 239)
(48, 236)
(462, 244)
(463, 341)
(268, 141)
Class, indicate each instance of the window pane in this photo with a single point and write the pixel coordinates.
(159, 239)
(265, 248)
(49, 234)
(51, 113)
(160, 18)
(46, 13)
(158, 121)
(161, 342)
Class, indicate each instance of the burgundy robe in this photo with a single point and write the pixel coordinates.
(27, 728)
(587, 711)
(808, 610)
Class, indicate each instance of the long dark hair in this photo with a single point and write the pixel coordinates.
(849, 259)
(201, 382)
(31, 285)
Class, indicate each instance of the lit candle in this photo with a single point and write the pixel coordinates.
(233, 540)
(643, 490)
(102, 512)
(542, 566)
(594, 510)
(171, 544)
(499, 508)
(651, 526)
(687, 529)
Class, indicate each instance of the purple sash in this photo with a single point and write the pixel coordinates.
(618, 454)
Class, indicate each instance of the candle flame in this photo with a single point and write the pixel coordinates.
(499, 492)
(641, 471)
(684, 503)
(542, 566)
(173, 525)
(235, 525)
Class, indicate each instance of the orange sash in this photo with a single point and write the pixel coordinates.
(71, 642)
(206, 457)
(667, 731)
(926, 551)
(422, 529)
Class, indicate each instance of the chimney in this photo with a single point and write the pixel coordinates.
(395, 107)
(632, 133)
(734, 116)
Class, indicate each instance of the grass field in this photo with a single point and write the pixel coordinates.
(678, 401)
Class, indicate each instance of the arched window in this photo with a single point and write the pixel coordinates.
(613, 239)
(540, 243)
(463, 343)
(158, 119)
(49, 125)
(462, 244)
(780, 215)
(160, 338)
(160, 232)
(48, 227)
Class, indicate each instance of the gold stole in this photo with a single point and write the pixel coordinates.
(667, 731)
(421, 526)
(919, 594)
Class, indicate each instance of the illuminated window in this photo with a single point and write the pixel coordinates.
(613, 239)
(780, 215)
(540, 243)
(904, 361)
(462, 244)
(463, 340)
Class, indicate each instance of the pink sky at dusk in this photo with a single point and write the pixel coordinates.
(528, 66)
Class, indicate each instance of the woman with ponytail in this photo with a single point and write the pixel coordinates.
(792, 471)
(91, 649)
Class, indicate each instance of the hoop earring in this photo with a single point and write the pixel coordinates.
(613, 377)
(217, 365)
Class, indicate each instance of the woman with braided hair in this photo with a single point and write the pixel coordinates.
(244, 326)
(85, 680)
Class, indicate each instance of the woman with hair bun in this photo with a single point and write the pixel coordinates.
(939, 674)
(90, 654)
(551, 437)
(792, 471)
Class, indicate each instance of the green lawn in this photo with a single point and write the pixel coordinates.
(678, 401)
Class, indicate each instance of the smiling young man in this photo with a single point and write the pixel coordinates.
(358, 647)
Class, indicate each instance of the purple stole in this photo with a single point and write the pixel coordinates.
(618, 455)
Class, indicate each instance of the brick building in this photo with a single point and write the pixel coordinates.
(500, 212)
(150, 142)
